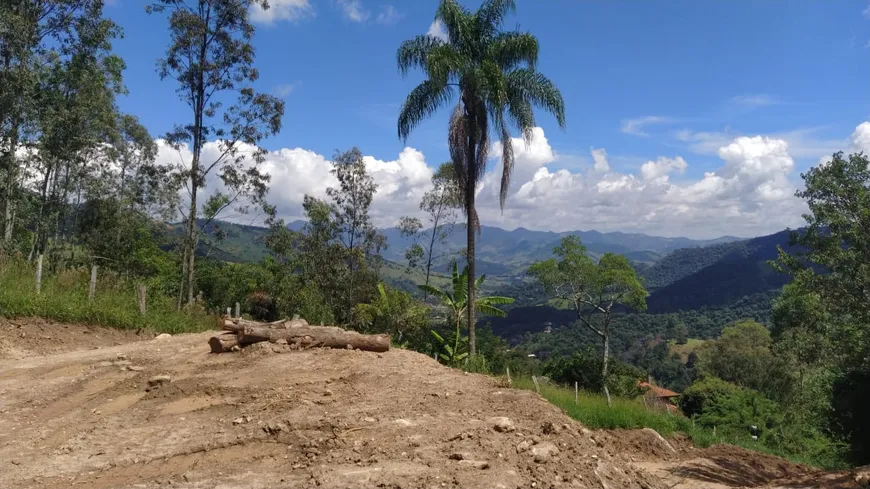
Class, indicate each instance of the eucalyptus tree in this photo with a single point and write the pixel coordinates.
(440, 204)
(211, 58)
(594, 290)
(33, 34)
(491, 75)
(75, 117)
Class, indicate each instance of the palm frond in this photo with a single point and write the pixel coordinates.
(520, 112)
(490, 16)
(511, 49)
(457, 22)
(443, 64)
(414, 53)
(422, 102)
(481, 128)
(457, 137)
(539, 90)
(383, 292)
(507, 160)
(488, 310)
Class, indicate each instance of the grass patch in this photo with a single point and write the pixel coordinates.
(593, 412)
(64, 297)
(692, 344)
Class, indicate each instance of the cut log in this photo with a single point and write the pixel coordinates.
(317, 336)
(223, 342)
(238, 324)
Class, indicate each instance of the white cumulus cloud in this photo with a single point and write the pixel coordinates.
(653, 170)
(281, 10)
(437, 30)
(354, 10)
(637, 126)
(749, 192)
(297, 172)
(388, 15)
(599, 156)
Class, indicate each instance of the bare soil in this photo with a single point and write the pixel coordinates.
(75, 416)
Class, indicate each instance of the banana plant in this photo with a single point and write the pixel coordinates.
(457, 301)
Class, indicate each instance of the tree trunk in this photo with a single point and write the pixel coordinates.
(183, 274)
(317, 336)
(469, 199)
(223, 342)
(191, 240)
(238, 325)
(430, 254)
(604, 365)
(9, 193)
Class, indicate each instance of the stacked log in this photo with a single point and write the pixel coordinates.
(239, 333)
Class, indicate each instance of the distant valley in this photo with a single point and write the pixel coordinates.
(681, 274)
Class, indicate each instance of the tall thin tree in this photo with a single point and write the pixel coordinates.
(210, 56)
(493, 73)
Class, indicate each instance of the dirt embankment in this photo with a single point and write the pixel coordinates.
(319, 418)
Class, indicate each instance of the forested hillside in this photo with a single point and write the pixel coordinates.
(716, 276)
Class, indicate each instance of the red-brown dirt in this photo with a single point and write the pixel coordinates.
(318, 418)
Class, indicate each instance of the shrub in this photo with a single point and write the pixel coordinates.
(703, 394)
(714, 402)
(585, 369)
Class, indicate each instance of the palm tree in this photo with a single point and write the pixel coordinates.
(457, 301)
(492, 74)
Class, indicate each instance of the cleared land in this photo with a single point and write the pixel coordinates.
(77, 410)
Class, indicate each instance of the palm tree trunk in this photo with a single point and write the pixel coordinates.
(470, 227)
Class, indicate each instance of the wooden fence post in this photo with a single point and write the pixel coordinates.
(38, 274)
(92, 287)
(238, 311)
(141, 295)
(576, 394)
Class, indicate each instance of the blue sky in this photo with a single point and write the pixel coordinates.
(644, 80)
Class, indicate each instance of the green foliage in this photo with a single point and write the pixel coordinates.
(592, 289)
(594, 411)
(394, 312)
(743, 355)
(667, 368)
(678, 331)
(333, 264)
(734, 410)
(456, 300)
(585, 368)
(454, 349)
(64, 297)
(120, 239)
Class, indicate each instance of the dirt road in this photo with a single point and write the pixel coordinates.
(320, 418)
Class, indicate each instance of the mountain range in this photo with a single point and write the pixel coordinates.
(503, 252)
(680, 273)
